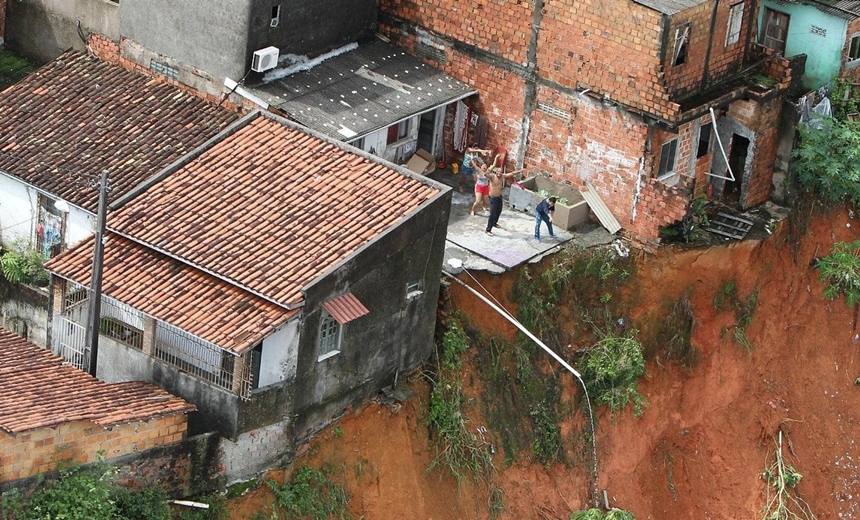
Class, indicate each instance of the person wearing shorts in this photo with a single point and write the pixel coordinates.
(467, 169)
(482, 185)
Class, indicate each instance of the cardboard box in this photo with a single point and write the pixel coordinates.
(422, 162)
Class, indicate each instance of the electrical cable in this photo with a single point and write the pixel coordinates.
(236, 86)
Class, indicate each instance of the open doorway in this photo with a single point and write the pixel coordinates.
(430, 130)
(737, 162)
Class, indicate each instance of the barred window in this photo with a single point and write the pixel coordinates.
(329, 336)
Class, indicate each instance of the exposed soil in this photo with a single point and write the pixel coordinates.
(708, 432)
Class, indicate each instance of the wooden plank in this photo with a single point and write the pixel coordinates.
(736, 218)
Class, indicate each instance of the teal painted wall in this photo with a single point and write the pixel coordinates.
(824, 53)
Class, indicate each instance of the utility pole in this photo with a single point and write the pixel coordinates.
(95, 303)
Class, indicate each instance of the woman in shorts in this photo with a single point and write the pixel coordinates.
(482, 185)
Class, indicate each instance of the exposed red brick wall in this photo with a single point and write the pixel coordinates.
(852, 74)
(723, 60)
(767, 116)
(109, 51)
(609, 47)
(40, 451)
(502, 27)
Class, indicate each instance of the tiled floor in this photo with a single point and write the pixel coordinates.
(469, 247)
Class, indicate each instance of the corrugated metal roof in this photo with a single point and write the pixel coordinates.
(846, 9)
(358, 92)
(670, 6)
(345, 308)
(595, 202)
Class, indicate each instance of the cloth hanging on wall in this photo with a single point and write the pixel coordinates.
(461, 127)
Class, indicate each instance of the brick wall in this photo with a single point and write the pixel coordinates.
(687, 77)
(41, 450)
(763, 119)
(852, 74)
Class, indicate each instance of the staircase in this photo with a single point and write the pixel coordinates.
(729, 226)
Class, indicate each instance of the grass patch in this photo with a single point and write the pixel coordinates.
(744, 309)
(13, 67)
(311, 494)
(672, 337)
(840, 271)
(611, 369)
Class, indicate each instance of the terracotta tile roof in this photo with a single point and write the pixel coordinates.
(345, 308)
(76, 116)
(176, 293)
(37, 390)
(271, 207)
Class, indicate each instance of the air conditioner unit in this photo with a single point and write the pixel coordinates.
(265, 59)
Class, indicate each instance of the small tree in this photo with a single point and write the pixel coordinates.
(20, 264)
(827, 162)
(610, 370)
(840, 270)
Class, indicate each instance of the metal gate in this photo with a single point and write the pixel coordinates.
(70, 341)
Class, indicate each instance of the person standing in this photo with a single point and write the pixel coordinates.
(496, 178)
(543, 213)
(467, 169)
(482, 185)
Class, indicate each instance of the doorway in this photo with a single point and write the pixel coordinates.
(430, 130)
(737, 163)
(775, 30)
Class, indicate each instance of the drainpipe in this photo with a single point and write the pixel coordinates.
(531, 83)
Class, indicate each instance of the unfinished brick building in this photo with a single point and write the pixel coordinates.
(618, 95)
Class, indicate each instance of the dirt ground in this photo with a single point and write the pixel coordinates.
(708, 432)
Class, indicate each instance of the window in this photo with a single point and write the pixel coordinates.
(413, 290)
(256, 363)
(122, 332)
(736, 20)
(398, 131)
(704, 140)
(775, 30)
(667, 158)
(854, 48)
(679, 52)
(329, 337)
(276, 16)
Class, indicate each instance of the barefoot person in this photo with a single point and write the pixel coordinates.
(482, 185)
(497, 182)
(543, 213)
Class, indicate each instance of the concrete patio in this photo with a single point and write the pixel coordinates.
(512, 244)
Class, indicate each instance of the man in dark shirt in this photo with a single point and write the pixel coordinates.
(543, 213)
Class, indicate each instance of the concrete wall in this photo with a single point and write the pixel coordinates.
(2, 23)
(310, 28)
(397, 334)
(217, 409)
(256, 451)
(805, 28)
(25, 311)
(280, 354)
(212, 36)
(44, 28)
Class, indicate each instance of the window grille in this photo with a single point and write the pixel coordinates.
(74, 295)
(329, 336)
(667, 158)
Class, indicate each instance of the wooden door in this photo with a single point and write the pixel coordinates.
(775, 30)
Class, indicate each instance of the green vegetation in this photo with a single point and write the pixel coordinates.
(89, 492)
(827, 162)
(13, 67)
(611, 368)
(844, 99)
(744, 309)
(457, 448)
(692, 227)
(311, 494)
(840, 270)
(561, 200)
(597, 514)
(672, 338)
(22, 265)
(782, 501)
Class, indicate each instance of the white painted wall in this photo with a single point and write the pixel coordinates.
(280, 355)
(19, 209)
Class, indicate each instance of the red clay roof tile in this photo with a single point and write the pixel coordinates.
(76, 116)
(270, 229)
(38, 390)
